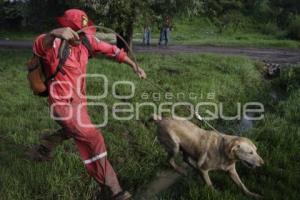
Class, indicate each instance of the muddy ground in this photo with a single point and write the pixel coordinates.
(280, 56)
(269, 55)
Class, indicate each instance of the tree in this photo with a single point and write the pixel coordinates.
(11, 14)
(286, 11)
(37, 15)
(223, 12)
(123, 15)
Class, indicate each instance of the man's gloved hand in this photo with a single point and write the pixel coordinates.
(139, 71)
(65, 34)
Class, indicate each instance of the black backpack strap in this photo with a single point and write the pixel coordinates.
(87, 44)
(64, 52)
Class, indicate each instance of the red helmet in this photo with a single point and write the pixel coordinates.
(76, 19)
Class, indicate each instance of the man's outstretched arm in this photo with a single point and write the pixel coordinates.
(137, 69)
(112, 51)
(99, 46)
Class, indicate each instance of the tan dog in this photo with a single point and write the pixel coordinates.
(206, 150)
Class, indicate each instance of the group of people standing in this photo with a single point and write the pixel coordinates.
(164, 33)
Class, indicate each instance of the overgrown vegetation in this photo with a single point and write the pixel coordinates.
(196, 31)
(201, 31)
(279, 18)
(132, 149)
(278, 138)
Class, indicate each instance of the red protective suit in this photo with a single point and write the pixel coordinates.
(69, 106)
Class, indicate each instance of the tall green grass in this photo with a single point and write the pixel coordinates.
(200, 31)
(132, 148)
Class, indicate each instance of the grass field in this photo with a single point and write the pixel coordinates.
(132, 150)
(17, 35)
(200, 31)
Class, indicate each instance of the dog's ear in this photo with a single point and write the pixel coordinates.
(231, 147)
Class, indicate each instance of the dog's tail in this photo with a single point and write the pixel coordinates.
(156, 117)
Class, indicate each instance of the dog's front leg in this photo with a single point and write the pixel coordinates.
(206, 178)
(235, 177)
(201, 160)
(192, 163)
(179, 169)
(189, 160)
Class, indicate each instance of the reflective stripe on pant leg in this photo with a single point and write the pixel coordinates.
(91, 146)
(95, 158)
(99, 167)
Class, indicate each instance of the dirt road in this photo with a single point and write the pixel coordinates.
(270, 55)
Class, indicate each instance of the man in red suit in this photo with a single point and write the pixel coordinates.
(67, 95)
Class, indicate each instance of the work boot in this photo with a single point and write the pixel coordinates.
(124, 195)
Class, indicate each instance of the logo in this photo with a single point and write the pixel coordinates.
(85, 21)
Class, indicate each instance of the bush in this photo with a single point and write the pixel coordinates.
(291, 107)
(270, 29)
(262, 11)
(289, 79)
(236, 20)
(11, 15)
(294, 28)
(37, 15)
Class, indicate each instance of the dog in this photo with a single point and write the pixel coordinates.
(206, 150)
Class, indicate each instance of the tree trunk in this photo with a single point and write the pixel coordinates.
(126, 34)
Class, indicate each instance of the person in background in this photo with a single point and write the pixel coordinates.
(165, 31)
(147, 35)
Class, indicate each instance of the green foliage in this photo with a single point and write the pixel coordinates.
(123, 15)
(291, 108)
(221, 12)
(271, 16)
(201, 31)
(289, 79)
(11, 14)
(262, 11)
(269, 29)
(294, 28)
(134, 155)
(36, 15)
(41, 14)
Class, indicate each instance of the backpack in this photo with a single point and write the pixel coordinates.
(36, 74)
